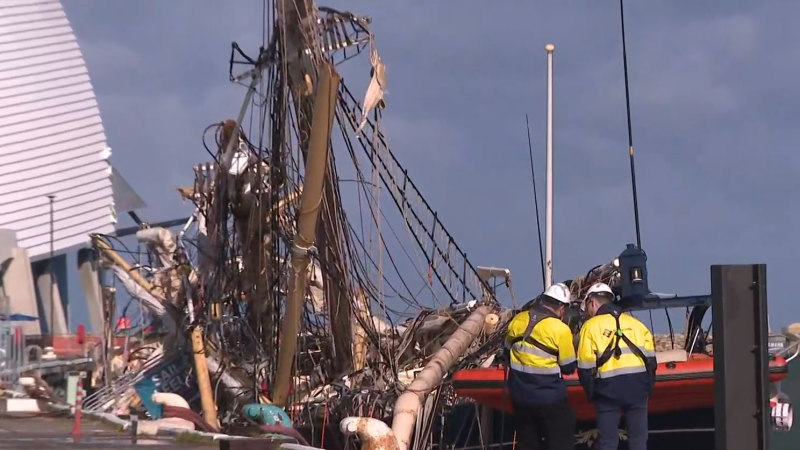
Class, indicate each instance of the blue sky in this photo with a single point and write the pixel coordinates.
(713, 97)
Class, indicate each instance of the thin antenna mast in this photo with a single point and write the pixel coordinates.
(630, 132)
(535, 202)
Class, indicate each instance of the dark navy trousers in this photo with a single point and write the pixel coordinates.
(608, 415)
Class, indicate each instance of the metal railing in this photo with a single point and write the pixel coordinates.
(12, 353)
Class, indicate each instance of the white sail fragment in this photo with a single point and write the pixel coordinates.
(317, 287)
(161, 242)
(376, 89)
(237, 161)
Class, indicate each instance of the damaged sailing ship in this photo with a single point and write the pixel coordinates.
(270, 300)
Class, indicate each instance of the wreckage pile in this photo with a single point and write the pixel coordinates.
(272, 297)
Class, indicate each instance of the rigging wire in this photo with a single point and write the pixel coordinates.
(373, 215)
(536, 202)
(630, 130)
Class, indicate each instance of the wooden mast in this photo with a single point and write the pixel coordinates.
(305, 236)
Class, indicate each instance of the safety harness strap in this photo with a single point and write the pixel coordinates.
(534, 317)
(613, 347)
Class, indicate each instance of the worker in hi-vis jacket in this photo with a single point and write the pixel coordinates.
(616, 366)
(540, 350)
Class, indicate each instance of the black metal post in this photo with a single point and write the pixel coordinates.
(50, 272)
(741, 368)
(134, 421)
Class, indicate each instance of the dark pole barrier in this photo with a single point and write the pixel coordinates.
(741, 368)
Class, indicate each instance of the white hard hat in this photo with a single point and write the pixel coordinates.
(558, 292)
(599, 288)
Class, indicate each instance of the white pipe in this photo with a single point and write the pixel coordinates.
(549, 48)
(408, 404)
(374, 433)
(163, 241)
(169, 399)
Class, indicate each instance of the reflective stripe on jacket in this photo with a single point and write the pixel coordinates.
(538, 359)
(623, 375)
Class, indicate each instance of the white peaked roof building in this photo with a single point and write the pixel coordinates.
(51, 137)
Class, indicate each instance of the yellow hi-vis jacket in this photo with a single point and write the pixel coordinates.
(616, 357)
(540, 349)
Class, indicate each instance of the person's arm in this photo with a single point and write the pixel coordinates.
(587, 361)
(649, 351)
(513, 332)
(566, 352)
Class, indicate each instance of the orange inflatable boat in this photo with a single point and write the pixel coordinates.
(680, 385)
